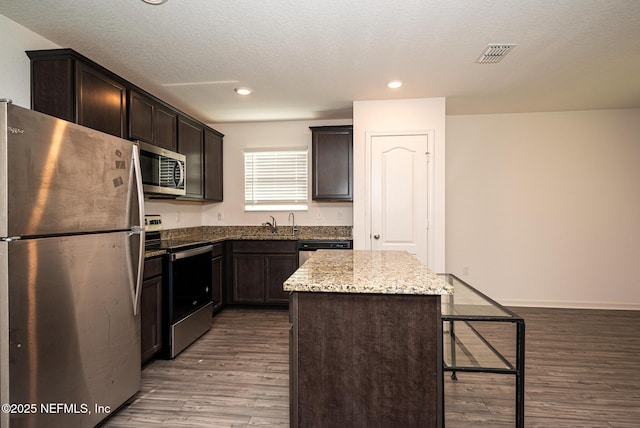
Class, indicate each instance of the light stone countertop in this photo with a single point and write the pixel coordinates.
(362, 271)
(215, 234)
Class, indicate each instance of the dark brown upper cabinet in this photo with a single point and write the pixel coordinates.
(212, 166)
(152, 122)
(166, 128)
(190, 144)
(332, 163)
(140, 117)
(67, 85)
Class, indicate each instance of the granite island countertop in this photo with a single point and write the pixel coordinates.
(364, 271)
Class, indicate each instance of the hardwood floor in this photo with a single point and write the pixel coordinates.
(582, 370)
(236, 375)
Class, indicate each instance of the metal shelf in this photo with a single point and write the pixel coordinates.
(480, 335)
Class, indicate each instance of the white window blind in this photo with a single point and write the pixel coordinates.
(275, 180)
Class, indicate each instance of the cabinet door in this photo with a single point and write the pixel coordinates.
(190, 144)
(53, 86)
(165, 128)
(101, 102)
(212, 166)
(151, 317)
(152, 122)
(248, 278)
(279, 267)
(141, 111)
(216, 282)
(332, 163)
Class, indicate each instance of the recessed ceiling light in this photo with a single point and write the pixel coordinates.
(394, 84)
(154, 2)
(243, 91)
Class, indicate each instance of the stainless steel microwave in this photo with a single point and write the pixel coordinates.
(163, 171)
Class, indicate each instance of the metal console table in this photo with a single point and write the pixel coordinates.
(465, 345)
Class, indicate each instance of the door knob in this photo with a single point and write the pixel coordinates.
(376, 236)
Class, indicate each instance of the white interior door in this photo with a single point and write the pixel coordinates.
(400, 193)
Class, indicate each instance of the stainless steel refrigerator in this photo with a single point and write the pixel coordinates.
(71, 259)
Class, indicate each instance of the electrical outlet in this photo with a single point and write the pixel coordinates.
(465, 271)
(220, 216)
(340, 215)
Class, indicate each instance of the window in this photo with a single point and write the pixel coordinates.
(275, 180)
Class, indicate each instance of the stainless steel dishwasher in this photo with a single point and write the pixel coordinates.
(307, 247)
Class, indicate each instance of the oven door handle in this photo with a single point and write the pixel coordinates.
(190, 253)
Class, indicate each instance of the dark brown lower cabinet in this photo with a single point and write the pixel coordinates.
(248, 278)
(217, 277)
(260, 268)
(278, 268)
(365, 360)
(151, 309)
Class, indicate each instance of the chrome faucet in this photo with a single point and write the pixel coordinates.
(272, 224)
(294, 229)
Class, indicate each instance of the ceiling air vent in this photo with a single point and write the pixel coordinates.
(494, 53)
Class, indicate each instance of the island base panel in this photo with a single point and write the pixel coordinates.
(365, 360)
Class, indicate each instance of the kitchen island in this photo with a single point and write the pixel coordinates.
(365, 341)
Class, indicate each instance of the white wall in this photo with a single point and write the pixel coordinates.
(544, 208)
(175, 214)
(419, 114)
(15, 74)
(237, 137)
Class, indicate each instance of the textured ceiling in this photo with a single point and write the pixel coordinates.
(311, 59)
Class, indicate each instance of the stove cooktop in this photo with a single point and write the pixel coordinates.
(180, 244)
(153, 242)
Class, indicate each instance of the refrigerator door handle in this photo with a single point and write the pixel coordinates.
(139, 228)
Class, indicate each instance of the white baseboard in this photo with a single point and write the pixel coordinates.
(572, 305)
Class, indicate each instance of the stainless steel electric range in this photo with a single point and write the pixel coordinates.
(186, 291)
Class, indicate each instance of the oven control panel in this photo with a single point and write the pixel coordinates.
(152, 222)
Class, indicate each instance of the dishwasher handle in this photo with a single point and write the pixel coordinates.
(313, 245)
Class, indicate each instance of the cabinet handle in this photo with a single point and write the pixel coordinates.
(376, 236)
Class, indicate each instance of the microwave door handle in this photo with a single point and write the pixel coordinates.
(181, 171)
